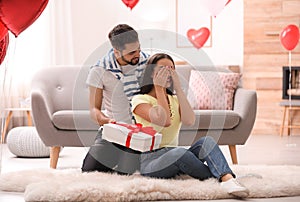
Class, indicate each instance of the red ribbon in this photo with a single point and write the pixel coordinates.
(135, 128)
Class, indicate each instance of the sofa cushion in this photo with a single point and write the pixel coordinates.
(212, 90)
(205, 119)
(74, 120)
(214, 119)
(184, 72)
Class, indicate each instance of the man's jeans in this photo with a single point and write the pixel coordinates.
(105, 156)
(169, 162)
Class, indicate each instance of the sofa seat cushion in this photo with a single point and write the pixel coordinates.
(205, 119)
(214, 119)
(74, 120)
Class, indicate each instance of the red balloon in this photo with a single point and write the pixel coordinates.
(198, 37)
(227, 2)
(289, 37)
(3, 47)
(18, 15)
(130, 3)
(3, 30)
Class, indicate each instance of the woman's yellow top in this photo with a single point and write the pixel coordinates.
(169, 134)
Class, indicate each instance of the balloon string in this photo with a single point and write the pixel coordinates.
(13, 65)
(2, 106)
(290, 78)
(7, 79)
(10, 53)
(151, 41)
(290, 90)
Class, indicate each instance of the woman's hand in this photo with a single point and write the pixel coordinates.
(161, 77)
(175, 79)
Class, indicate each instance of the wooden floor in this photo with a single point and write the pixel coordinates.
(259, 150)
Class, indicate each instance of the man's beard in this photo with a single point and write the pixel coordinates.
(133, 61)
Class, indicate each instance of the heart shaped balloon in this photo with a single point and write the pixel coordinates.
(214, 6)
(198, 37)
(18, 15)
(3, 30)
(3, 47)
(130, 3)
(227, 2)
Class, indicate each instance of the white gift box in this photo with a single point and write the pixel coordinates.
(132, 136)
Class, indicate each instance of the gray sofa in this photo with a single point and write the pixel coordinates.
(59, 99)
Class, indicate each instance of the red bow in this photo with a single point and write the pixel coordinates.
(135, 128)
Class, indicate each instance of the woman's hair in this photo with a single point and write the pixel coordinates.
(147, 80)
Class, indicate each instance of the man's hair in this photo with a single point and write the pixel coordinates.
(121, 35)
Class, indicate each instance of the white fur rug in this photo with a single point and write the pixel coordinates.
(72, 185)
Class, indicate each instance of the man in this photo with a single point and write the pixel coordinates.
(113, 81)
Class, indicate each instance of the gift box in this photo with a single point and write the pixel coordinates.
(133, 136)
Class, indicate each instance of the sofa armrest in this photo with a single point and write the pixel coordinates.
(245, 104)
(42, 113)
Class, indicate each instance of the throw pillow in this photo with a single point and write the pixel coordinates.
(212, 90)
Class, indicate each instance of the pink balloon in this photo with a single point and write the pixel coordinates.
(289, 37)
(215, 6)
(198, 37)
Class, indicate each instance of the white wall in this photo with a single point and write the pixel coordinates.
(68, 32)
(93, 19)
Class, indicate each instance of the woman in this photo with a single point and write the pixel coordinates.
(157, 106)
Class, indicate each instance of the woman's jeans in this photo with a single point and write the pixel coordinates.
(169, 162)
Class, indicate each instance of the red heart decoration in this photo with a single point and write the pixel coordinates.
(17, 15)
(198, 37)
(3, 47)
(130, 3)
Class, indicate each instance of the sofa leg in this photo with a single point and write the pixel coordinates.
(54, 154)
(233, 155)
